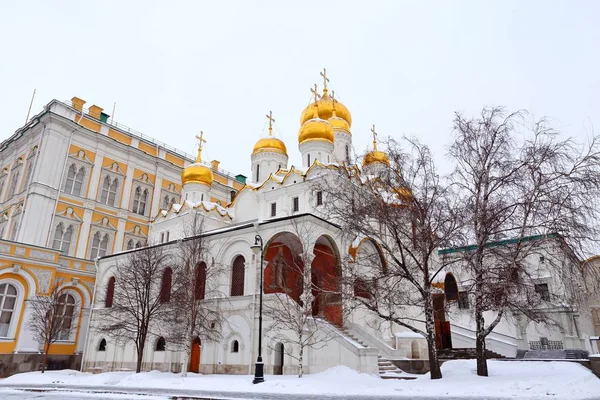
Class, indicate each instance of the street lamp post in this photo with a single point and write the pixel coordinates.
(259, 376)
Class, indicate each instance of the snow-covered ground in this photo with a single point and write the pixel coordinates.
(508, 379)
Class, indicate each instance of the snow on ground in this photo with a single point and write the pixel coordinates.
(508, 379)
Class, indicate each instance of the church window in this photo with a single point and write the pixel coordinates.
(13, 184)
(166, 203)
(463, 300)
(110, 292)
(99, 245)
(102, 345)
(200, 281)
(64, 313)
(257, 172)
(235, 346)
(319, 198)
(450, 287)
(165, 286)
(295, 204)
(347, 154)
(273, 209)
(542, 290)
(161, 344)
(62, 238)
(162, 237)
(308, 157)
(237, 276)
(138, 244)
(231, 195)
(167, 236)
(8, 300)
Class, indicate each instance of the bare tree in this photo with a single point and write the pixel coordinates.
(196, 305)
(518, 198)
(54, 316)
(406, 209)
(140, 298)
(289, 307)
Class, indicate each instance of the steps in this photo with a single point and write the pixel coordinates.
(352, 336)
(464, 354)
(387, 370)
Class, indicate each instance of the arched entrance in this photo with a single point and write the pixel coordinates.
(278, 361)
(195, 356)
(325, 279)
(443, 335)
(284, 270)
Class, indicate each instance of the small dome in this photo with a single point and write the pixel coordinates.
(325, 107)
(197, 173)
(376, 156)
(316, 129)
(269, 144)
(403, 193)
(339, 124)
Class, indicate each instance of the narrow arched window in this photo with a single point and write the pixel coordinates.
(29, 171)
(257, 172)
(112, 192)
(13, 184)
(130, 244)
(308, 157)
(165, 287)
(68, 188)
(99, 245)
(64, 313)
(161, 344)
(347, 154)
(58, 235)
(136, 199)
(105, 190)
(103, 246)
(166, 203)
(450, 287)
(77, 186)
(143, 201)
(138, 244)
(8, 300)
(235, 346)
(110, 292)
(102, 345)
(62, 238)
(200, 281)
(237, 276)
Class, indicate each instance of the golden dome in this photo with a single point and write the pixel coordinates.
(325, 106)
(197, 173)
(403, 193)
(269, 144)
(339, 124)
(376, 156)
(316, 129)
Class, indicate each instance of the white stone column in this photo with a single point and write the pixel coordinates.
(156, 197)
(84, 232)
(120, 232)
(127, 186)
(95, 176)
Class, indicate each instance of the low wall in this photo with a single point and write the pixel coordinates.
(26, 362)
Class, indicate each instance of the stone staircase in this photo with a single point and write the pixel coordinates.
(387, 370)
(464, 354)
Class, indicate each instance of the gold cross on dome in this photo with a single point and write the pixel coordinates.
(315, 93)
(271, 120)
(325, 78)
(200, 141)
(374, 137)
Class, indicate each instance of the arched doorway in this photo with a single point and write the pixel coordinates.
(195, 356)
(278, 361)
(325, 279)
(285, 268)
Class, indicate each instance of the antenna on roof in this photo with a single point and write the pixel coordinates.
(112, 116)
(30, 104)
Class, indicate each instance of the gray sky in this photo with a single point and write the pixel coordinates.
(175, 68)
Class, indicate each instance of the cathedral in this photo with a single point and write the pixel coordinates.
(80, 193)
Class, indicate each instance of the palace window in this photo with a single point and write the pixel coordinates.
(161, 344)
(99, 245)
(295, 204)
(140, 198)
(74, 182)
(463, 300)
(108, 193)
(237, 276)
(165, 286)
(200, 281)
(13, 184)
(63, 238)
(102, 345)
(166, 203)
(542, 290)
(64, 313)
(8, 300)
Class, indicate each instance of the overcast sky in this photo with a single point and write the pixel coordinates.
(175, 68)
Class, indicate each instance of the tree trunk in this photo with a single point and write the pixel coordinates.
(300, 357)
(482, 369)
(140, 358)
(434, 363)
(45, 358)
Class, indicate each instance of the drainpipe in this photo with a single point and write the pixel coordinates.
(37, 154)
(89, 322)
